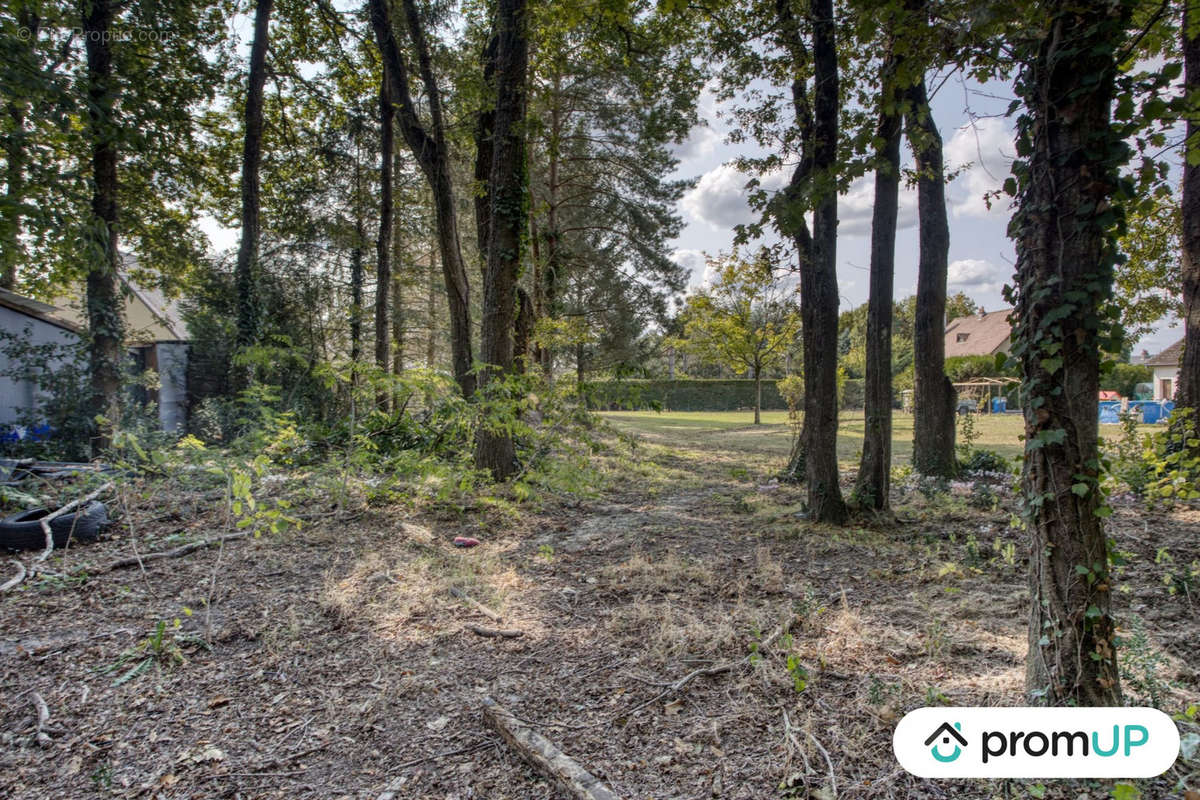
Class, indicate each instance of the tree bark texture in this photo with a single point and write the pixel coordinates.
(1063, 230)
(874, 470)
(818, 283)
(507, 223)
(1188, 392)
(933, 394)
(249, 310)
(383, 244)
(106, 326)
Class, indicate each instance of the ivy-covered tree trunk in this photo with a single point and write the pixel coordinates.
(818, 283)
(508, 221)
(874, 470)
(1065, 254)
(1188, 393)
(383, 243)
(933, 394)
(106, 327)
(249, 312)
(12, 253)
(431, 151)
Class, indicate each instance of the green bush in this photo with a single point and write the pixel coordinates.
(984, 461)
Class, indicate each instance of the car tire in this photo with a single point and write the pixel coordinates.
(23, 531)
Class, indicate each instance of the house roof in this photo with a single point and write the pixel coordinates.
(981, 334)
(149, 315)
(1171, 357)
(37, 310)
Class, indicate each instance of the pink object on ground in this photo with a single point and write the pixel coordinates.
(465, 541)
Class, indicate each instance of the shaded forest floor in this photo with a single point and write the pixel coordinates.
(333, 661)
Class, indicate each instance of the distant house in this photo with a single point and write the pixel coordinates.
(155, 336)
(983, 334)
(43, 324)
(1166, 371)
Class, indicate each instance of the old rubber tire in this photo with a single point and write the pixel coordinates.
(23, 531)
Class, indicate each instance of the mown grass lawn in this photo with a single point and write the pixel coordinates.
(735, 430)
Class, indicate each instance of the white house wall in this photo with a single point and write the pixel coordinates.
(17, 397)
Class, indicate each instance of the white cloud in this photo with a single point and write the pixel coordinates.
(701, 143)
(720, 197)
(695, 262)
(987, 145)
(857, 205)
(975, 275)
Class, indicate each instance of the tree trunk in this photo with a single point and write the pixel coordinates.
(383, 244)
(933, 394)
(431, 317)
(874, 470)
(485, 122)
(818, 284)
(789, 216)
(758, 396)
(508, 220)
(12, 252)
(249, 311)
(523, 331)
(432, 153)
(106, 326)
(356, 299)
(1188, 392)
(1065, 255)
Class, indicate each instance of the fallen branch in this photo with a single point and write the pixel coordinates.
(541, 753)
(14, 581)
(182, 550)
(43, 716)
(475, 604)
(704, 672)
(46, 520)
(493, 633)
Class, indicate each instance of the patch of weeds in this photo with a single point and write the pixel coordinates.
(102, 777)
(546, 551)
(936, 697)
(1142, 666)
(157, 648)
(1177, 578)
(54, 582)
(935, 638)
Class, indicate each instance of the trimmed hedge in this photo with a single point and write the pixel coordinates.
(695, 395)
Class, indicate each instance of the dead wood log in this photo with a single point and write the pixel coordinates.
(541, 753)
(493, 633)
(475, 604)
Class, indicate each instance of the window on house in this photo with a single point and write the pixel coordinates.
(962, 337)
(1166, 389)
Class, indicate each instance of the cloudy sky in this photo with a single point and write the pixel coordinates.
(979, 145)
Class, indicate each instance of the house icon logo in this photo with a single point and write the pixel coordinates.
(945, 732)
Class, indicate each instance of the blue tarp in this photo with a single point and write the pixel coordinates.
(1110, 412)
(1150, 411)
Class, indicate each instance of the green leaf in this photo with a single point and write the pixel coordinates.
(1080, 489)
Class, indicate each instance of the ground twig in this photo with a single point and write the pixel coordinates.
(43, 716)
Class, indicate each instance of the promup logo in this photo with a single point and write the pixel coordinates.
(946, 732)
(1036, 742)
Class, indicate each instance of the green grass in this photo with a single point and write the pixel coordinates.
(735, 431)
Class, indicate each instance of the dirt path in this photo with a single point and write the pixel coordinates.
(336, 663)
